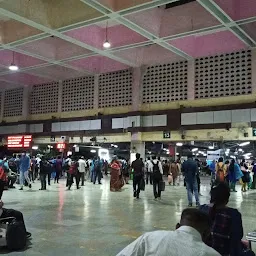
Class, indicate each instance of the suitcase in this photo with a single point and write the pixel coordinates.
(162, 185)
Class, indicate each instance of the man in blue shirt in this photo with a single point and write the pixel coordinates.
(189, 170)
(24, 170)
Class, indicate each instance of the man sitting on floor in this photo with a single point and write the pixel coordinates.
(187, 239)
(10, 213)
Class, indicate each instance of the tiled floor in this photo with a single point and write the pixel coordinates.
(95, 221)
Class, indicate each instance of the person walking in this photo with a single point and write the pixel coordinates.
(157, 176)
(138, 175)
(58, 169)
(148, 168)
(220, 170)
(45, 167)
(246, 175)
(116, 179)
(24, 170)
(190, 169)
(97, 168)
(82, 169)
(174, 171)
(71, 174)
(234, 175)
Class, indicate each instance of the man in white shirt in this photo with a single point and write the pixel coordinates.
(82, 168)
(149, 170)
(157, 176)
(186, 240)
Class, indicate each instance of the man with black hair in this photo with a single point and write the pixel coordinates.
(190, 169)
(187, 240)
(157, 176)
(138, 175)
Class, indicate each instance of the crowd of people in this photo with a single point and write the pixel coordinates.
(212, 229)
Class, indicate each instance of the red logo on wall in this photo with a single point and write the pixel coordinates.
(22, 141)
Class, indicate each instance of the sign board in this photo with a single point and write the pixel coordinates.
(21, 141)
(52, 139)
(61, 145)
(166, 135)
(253, 132)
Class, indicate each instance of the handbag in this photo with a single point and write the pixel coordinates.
(162, 185)
(142, 184)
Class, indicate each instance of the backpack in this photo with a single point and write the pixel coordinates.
(155, 167)
(16, 237)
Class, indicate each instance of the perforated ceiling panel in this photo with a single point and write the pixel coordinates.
(13, 100)
(44, 98)
(115, 89)
(78, 94)
(166, 82)
(223, 75)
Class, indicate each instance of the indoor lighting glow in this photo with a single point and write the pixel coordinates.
(194, 149)
(240, 150)
(244, 144)
(179, 144)
(35, 147)
(177, 154)
(247, 154)
(13, 67)
(106, 44)
(211, 147)
(93, 151)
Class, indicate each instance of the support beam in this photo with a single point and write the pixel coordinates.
(64, 37)
(133, 26)
(220, 15)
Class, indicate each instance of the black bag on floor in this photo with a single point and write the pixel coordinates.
(162, 185)
(16, 237)
(142, 184)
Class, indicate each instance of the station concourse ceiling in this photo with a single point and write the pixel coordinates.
(61, 39)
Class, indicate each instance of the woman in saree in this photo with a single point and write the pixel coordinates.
(116, 180)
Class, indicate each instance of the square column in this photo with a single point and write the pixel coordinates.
(254, 71)
(96, 93)
(26, 102)
(2, 106)
(60, 92)
(191, 80)
(137, 147)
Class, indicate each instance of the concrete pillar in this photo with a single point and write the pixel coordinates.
(96, 93)
(138, 74)
(254, 71)
(138, 147)
(60, 92)
(2, 106)
(26, 102)
(191, 80)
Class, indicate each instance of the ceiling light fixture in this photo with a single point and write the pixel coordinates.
(211, 147)
(179, 144)
(106, 44)
(244, 144)
(194, 149)
(13, 67)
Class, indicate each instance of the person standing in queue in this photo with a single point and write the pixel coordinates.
(190, 170)
(138, 175)
(24, 170)
(45, 167)
(157, 176)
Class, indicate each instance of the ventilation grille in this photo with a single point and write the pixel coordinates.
(115, 89)
(44, 98)
(13, 101)
(78, 94)
(166, 82)
(223, 75)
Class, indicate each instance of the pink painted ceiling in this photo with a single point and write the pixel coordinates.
(55, 41)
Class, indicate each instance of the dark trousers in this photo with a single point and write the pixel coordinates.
(49, 178)
(97, 174)
(70, 180)
(149, 177)
(57, 176)
(11, 180)
(254, 181)
(43, 180)
(82, 176)
(7, 213)
(156, 187)
(2, 184)
(136, 185)
(198, 183)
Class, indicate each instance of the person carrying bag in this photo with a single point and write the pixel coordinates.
(157, 177)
